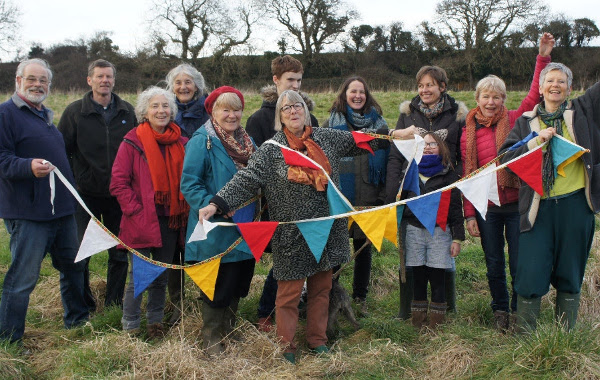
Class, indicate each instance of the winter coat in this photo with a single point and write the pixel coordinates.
(192, 116)
(92, 144)
(132, 185)
(206, 171)
(290, 201)
(452, 119)
(486, 140)
(261, 124)
(582, 119)
(25, 135)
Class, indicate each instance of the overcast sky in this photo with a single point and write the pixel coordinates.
(52, 22)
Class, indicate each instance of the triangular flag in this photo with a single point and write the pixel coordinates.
(144, 273)
(563, 153)
(201, 230)
(422, 208)
(244, 214)
(257, 235)
(316, 234)
(337, 204)
(411, 149)
(529, 169)
(95, 240)
(372, 223)
(442, 214)
(399, 214)
(493, 195)
(391, 225)
(411, 179)
(205, 276)
(472, 190)
(293, 158)
(362, 140)
(524, 141)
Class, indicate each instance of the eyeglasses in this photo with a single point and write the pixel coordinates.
(33, 80)
(297, 107)
(431, 144)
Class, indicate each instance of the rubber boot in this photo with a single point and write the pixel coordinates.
(437, 314)
(567, 306)
(419, 313)
(450, 288)
(230, 317)
(406, 295)
(213, 319)
(528, 311)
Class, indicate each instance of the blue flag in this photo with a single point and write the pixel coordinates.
(425, 209)
(143, 274)
(524, 141)
(316, 235)
(411, 179)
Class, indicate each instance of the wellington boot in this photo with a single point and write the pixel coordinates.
(528, 311)
(450, 287)
(419, 313)
(230, 317)
(437, 314)
(213, 319)
(406, 295)
(567, 306)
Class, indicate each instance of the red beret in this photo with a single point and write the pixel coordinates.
(210, 100)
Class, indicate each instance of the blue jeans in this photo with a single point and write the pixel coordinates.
(29, 243)
(494, 229)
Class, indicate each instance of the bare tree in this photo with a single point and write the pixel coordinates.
(9, 15)
(194, 25)
(313, 23)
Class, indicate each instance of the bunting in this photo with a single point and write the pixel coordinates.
(370, 224)
(294, 158)
(96, 239)
(362, 141)
(471, 190)
(144, 273)
(442, 214)
(422, 207)
(316, 235)
(411, 178)
(529, 169)
(563, 153)
(205, 276)
(411, 149)
(257, 235)
(338, 204)
(392, 223)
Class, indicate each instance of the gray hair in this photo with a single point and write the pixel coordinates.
(102, 63)
(189, 70)
(27, 62)
(143, 102)
(491, 83)
(293, 97)
(560, 67)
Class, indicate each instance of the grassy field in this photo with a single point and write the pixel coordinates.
(383, 348)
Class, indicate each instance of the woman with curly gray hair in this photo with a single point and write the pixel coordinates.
(145, 180)
(188, 85)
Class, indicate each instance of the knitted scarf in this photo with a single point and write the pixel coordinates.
(501, 124)
(551, 119)
(353, 121)
(239, 146)
(165, 171)
(304, 175)
(432, 113)
(430, 165)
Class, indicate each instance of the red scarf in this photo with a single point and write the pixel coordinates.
(500, 120)
(166, 171)
(304, 175)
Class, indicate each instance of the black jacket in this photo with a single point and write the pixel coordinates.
(261, 124)
(91, 144)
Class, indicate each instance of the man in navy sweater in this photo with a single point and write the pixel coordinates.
(30, 148)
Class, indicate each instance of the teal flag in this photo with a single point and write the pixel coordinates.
(337, 205)
(316, 234)
(563, 153)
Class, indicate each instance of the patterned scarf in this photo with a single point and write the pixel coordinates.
(430, 165)
(502, 128)
(166, 171)
(238, 146)
(435, 111)
(304, 175)
(554, 120)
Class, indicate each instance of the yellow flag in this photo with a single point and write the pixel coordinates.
(350, 221)
(391, 226)
(373, 224)
(205, 276)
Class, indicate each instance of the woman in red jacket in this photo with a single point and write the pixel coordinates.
(487, 126)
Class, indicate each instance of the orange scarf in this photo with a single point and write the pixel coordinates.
(166, 171)
(304, 175)
(500, 120)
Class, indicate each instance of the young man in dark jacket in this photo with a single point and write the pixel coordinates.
(93, 128)
(287, 75)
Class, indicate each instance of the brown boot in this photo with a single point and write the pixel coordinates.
(437, 314)
(418, 311)
(501, 320)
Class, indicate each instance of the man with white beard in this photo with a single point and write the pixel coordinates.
(30, 148)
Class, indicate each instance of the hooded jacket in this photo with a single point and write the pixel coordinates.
(261, 124)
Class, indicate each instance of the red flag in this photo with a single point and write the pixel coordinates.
(529, 169)
(294, 158)
(257, 235)
(442, 215)
(362, 140)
